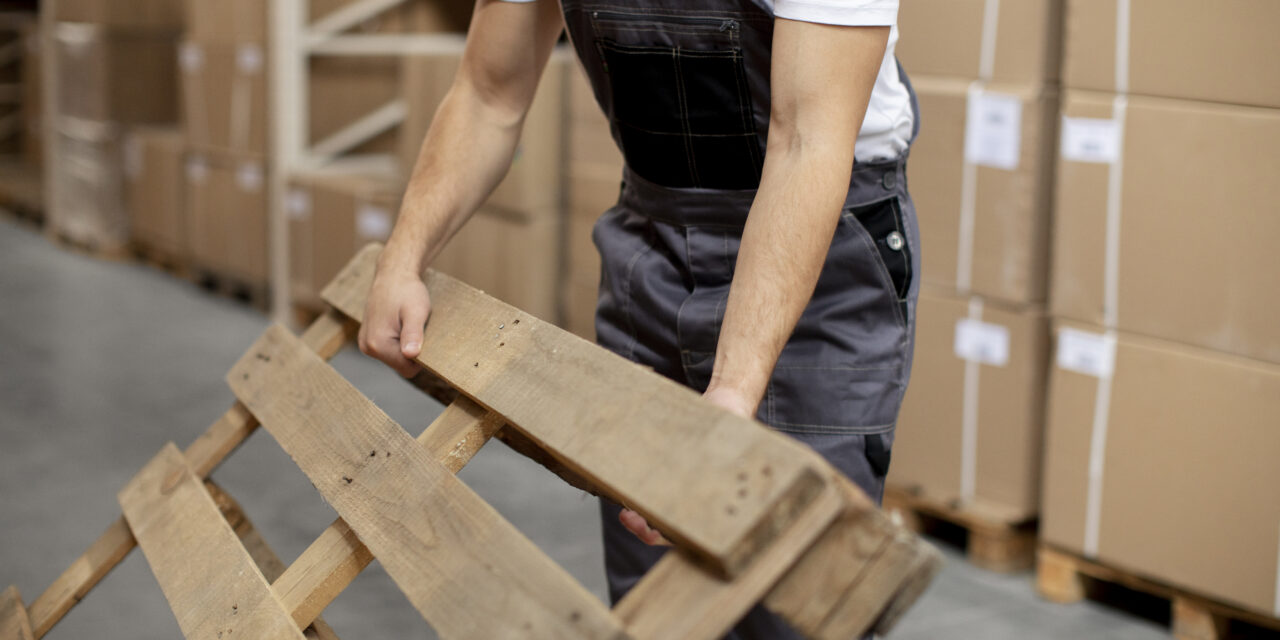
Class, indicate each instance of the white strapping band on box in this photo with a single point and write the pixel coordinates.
(992, 138)
(1100, 141)
(977, 343)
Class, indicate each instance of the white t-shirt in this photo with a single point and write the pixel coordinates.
(886, 130)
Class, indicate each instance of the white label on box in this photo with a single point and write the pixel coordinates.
(993, 130)
(1090, 140)
(249, 176)
(190, 57)
(1093, 354)
(298, 204)
(197, 169)
(249, 58)
(982, 342)
(373, 222)
(133, 159)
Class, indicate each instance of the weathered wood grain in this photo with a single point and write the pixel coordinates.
(679, 599)
(468, 571)
(326, 336)
(14, 623)
(212, 584)
(727, 485)
(335, 558)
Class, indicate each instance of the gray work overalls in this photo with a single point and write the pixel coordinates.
(685, 84)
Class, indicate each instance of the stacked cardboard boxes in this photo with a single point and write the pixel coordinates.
(512, 246)
(981, 174)
(32, 96)
(225, 106)
(594, 175)
(1162, 429)
(116, 68)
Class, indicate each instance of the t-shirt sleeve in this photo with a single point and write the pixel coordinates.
(850, 13)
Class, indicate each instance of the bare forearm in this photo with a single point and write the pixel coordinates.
(823, 78)
(474, 133)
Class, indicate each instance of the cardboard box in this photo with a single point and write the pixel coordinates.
(112, 76)
(88, 186)
(947, 38)
(998, 355)
(248, 21)
(533, 186)
(1187, 489)
(224, 90)
(580, 308)
(226, 200)
(164, 15)
(1009, 133)
(1196, 260)
(345, 89)
(1219, 52)
(510, 257)
(331, 216)
(154, 182)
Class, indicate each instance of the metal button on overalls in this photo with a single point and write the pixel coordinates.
(686, 87)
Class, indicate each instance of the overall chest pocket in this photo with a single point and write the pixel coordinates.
(680, 98)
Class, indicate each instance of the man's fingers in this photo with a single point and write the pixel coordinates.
(638, 526)
(413, 317)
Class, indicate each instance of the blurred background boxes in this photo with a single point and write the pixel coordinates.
(972, 423)
(1018, 42)
(1197, 263)
(224, 90)
(162, 15)
(1165, 465)
(154, 172)
(118, 76)
(226, 216)
(331, 216)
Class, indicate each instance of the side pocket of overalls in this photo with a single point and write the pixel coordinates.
(883, 223)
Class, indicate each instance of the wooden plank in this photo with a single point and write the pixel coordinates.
(211, 583)
(326, 336)
(330, 563)
(14, 623)
(727, 485)
(679, 599)
(468, 571)
(860, 568)
(261, 553)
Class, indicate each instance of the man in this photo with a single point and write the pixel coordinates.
(747, 257)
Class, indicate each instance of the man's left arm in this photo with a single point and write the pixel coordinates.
(822, 77)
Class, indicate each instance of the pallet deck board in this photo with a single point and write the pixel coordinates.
(1000, 540)
(14, 622)
(326, 336)
(468, 571)
(209, 579)
(726, 487)
(337, 556)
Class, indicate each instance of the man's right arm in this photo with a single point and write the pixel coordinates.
(465, 154)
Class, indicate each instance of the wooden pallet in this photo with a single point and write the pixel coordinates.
(168, 261)
(756, 517)
(1062, 576)
(995, 541)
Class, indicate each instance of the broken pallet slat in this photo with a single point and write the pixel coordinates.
(727, 488)
(14, 622)
(469, 572)
(337, 556)
(326, 336)
(212, 584)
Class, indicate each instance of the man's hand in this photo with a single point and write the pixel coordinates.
(394, 317)
(723, 397)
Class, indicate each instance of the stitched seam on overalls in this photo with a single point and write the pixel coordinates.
(684, 118)
(748, 118)
(834, 430)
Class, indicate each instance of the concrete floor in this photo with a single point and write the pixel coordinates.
(102, 363)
